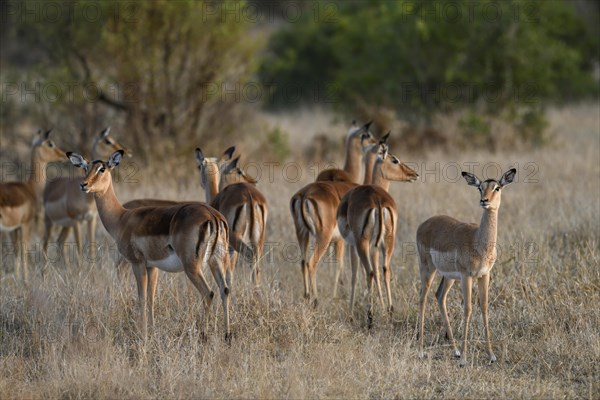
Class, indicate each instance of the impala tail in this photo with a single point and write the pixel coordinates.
(302, 210)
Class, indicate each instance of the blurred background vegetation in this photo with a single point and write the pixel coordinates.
(173, 74)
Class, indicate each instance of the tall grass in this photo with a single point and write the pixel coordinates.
(70, 331)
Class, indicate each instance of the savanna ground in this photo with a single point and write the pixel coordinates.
(70, 331)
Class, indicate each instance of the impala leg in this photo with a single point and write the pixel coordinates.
(441, 295)
(24, 244)
(259, 248)
(217, 267)
(16, 242)
(426, 279)
(62, 238)
(387, 274)
(375, 264)
(354, 263)
(303, 241)
(363, 253)
(141, 278)
(256, 257)
(47, 232)
(483, 288)
(92, 236)
(77, 232)
(197, 277)
(231, 267)
(152, 282)
(339, 261)
(313, 262)
(467, 286)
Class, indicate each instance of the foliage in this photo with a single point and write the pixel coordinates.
(429, 56)
(161, 64)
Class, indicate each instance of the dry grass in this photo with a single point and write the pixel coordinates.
(70, 331)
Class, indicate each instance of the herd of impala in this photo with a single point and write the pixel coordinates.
(173, 236)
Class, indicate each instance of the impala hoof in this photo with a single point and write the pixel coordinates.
(492, 359)
(456, 353)
(462, 363)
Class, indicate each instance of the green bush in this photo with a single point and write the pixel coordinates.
(429, 56)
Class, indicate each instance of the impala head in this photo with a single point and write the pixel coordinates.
(360, 136)
(490, 189)
(390, 167)
(44, 149)
(211, 166)
(232, 173)
(97, 173)
(105, 144)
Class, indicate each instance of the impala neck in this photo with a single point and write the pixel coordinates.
(353, 158)
(110, 210)
(485, 238)
(369, 165)
(378, 178)
(211, 187)
(37, 179)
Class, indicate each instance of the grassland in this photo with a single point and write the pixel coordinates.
(69, 332)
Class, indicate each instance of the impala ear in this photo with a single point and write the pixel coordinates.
(46, 134)
(385, 138)
(104, 132)
(227, 154)
(77, 160)
(471, 179)
(230, 165)
(508, 177)
(367, 125)
(115, 159)
(199, 156)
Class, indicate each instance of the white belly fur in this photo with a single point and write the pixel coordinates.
(170, 264)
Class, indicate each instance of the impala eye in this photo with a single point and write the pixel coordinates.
(50, 144)
(497, 189)
(102, 169)
(108, 141)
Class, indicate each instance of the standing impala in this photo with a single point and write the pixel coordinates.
(313, 211)
(19, 201)
(229, 190)
(367, 218)
(67, 206)
(461, 251)
(355, 143)
(178, 238)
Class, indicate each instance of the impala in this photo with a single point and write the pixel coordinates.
(367, 218)
(19, 201)
(161, 203)
(229, 190)
(67, 206)
(465, 252)
(355, 143)
(313, 211)
(178, 238)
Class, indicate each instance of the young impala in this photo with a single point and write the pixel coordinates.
(20, 201)
(367, 218)
(464, 252)
(67, 206)
(232, 192)
(183, 237)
